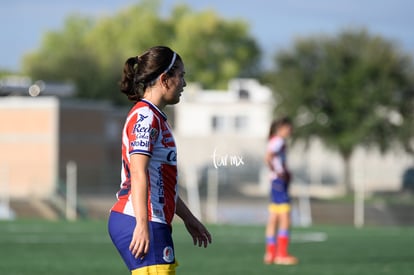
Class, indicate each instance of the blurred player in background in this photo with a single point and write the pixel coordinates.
(140, 221)
(277, 229)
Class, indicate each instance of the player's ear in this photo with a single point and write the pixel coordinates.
(164, 80)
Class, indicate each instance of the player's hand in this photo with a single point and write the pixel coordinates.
(285, 176)
(198, 232)
(139, 245)
(288, 177)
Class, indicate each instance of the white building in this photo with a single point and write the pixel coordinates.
(233, 122)
(223, 130)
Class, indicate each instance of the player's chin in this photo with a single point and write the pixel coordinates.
(175, 100)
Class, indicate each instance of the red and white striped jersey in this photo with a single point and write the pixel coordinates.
(277, 146)
(146, 131)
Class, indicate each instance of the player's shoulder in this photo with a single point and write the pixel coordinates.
(276, 140)
(276, 144)
(140, 106)
(140, 112)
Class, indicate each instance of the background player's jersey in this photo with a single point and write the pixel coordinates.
(277, 147)
(147, 132)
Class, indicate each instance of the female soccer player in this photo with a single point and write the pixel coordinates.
(140, 221)
(279, 208)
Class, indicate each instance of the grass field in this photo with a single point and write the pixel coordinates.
(40, 247)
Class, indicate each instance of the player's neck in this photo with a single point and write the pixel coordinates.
(157, 101)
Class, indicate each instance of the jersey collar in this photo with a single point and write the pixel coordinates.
(155, 108)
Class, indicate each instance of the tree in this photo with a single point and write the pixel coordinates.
(4, 72)
(90, 52)
(66, 57)
(349, 90)
(215, 50)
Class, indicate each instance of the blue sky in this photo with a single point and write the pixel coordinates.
(275, 24)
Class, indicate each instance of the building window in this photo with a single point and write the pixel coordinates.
(218, 123)
(240, 123)
(244, 94)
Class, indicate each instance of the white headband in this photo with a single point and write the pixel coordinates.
(172, 62)
(168, 68)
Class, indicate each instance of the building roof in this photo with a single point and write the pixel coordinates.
(240, 89)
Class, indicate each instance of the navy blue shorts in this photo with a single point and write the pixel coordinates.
(279, 193)
(161, 250)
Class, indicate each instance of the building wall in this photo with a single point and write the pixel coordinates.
(320, 171)
(40, 135)
(84, 138)
(28, 146)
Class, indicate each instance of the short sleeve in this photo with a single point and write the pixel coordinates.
(143, 130)
(275, 145)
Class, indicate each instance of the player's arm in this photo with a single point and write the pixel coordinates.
(268, 160)
(197, 230)
(139, 194)
(273, 161)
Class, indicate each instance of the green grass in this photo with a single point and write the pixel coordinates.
(41, 247)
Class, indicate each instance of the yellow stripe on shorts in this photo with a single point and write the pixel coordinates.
(279, 208)
(160, 269)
